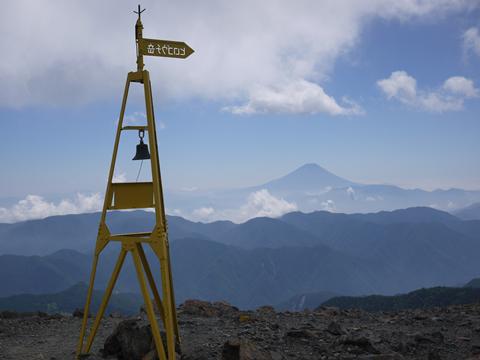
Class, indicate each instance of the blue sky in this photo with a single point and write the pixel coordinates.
(231, 131)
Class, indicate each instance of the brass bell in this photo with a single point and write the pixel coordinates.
(142, 149)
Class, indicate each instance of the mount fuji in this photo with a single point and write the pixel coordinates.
(309, 188)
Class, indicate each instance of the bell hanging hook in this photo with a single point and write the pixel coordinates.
(142, 152)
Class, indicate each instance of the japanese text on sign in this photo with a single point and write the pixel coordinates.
(164, 48)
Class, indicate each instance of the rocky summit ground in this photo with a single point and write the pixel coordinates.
(219, 331)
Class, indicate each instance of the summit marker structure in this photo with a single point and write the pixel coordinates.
(139, 195)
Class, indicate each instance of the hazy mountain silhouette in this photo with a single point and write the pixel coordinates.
(475, 283)
(79, 232)
(309, 177)
(70, 299)
(418, 299)
(312, 187)
(41, 274)
(471, 212)
(266, 232)
(262, 261)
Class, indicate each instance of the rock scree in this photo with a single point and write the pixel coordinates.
(220, 331)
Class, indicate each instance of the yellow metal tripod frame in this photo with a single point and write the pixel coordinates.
(128, 196)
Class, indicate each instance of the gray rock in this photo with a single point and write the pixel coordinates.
(429, 338)
(78, 313)
(334, 328)
(393, 356)
(362, 342)
(129, 341)
(237, 349)
(299, 334)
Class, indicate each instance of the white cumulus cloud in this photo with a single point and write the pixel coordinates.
(257, 204)
(449, 97)
(296, 97)
(461, 86)
(262, 203)
(238, 46)
(399, 85)
(36, 207)
(203, 213)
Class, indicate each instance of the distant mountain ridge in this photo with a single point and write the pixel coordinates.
(471, 212)
(311, 187)
(70, 299)
(266, 232)
(418, 299)
(262, 261)
(308, 188)
(474, 283)
(78, 232)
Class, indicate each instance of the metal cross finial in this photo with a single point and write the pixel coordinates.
(139, 12)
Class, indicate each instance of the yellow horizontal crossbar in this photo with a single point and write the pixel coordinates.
(133, 127)
(131, 237)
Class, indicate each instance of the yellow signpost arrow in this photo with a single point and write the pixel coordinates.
(165, 48)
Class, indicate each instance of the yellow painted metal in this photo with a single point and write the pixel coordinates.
(133, 196)
(134, 127)
(106, 298)
(149, 308)
(151, 281)
(131, 237)
(130, 196)
(87, 305)
(164, 48)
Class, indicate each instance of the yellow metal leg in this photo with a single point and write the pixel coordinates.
(172, 298)
(149, 308)
(151, 281)
(86, 310)
(106, 298)
(169, 324)
(160, 250)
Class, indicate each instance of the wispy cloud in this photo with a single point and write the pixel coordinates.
(351, 192)
(140, 118)
(328, 205)
(471, 41)
(135, 118)
(448, 97)
(119, 178)
(189, 189)
(36, 207)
